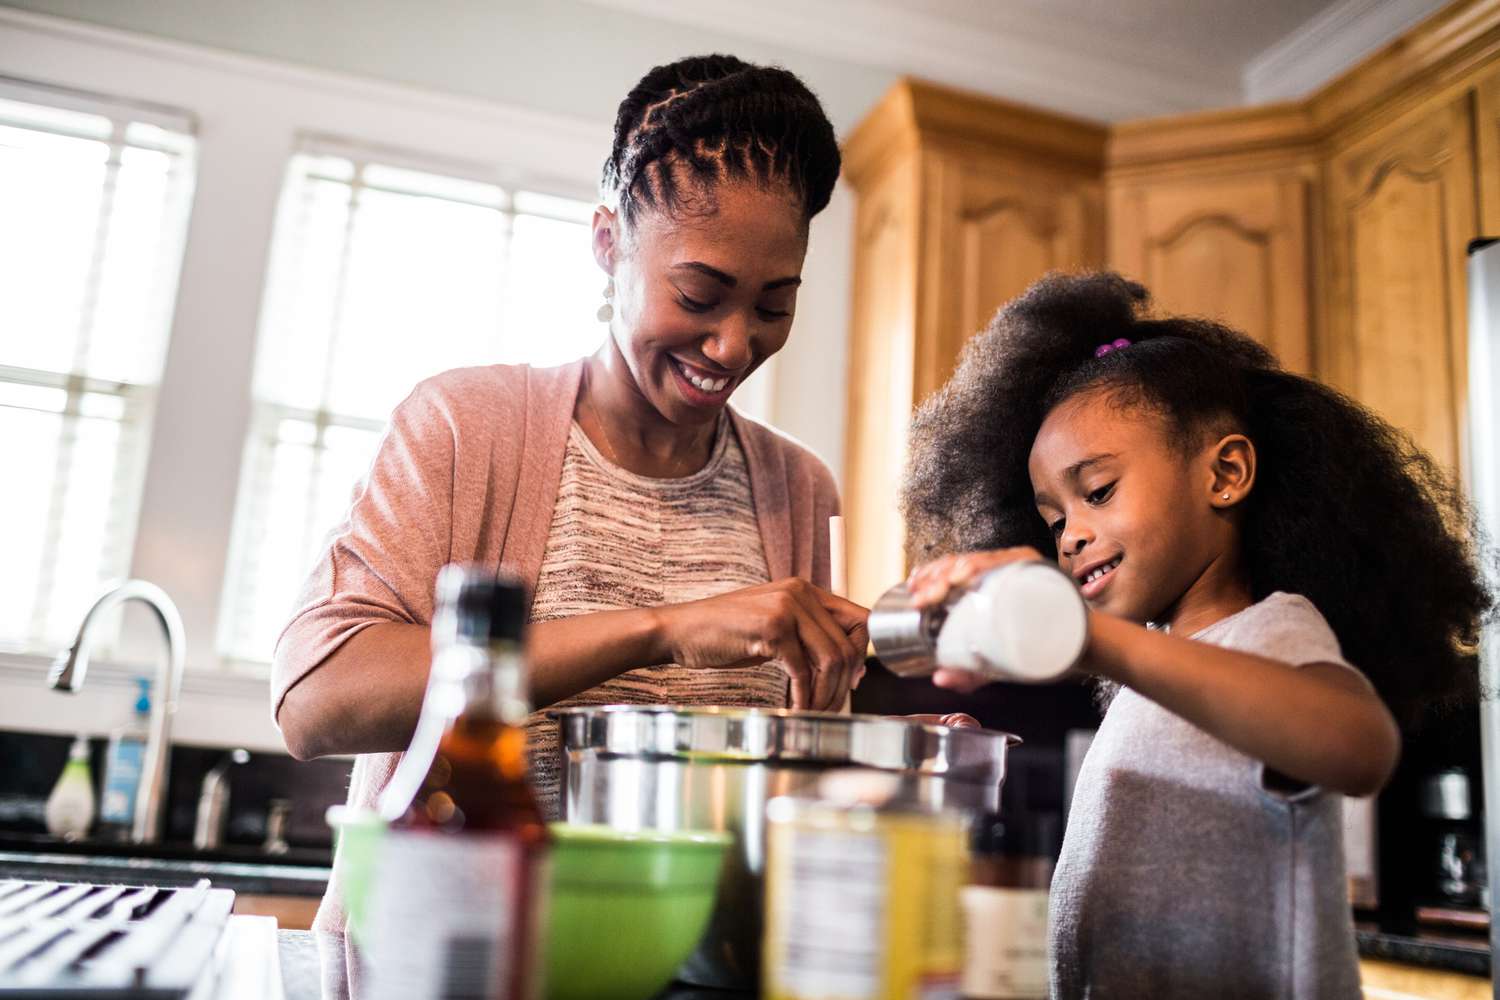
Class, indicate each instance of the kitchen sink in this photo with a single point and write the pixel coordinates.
(299, 872)
(12, 841)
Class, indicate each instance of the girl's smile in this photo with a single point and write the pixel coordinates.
(1097, 575)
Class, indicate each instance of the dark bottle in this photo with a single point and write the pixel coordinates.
(454, 907)
(1005, 907)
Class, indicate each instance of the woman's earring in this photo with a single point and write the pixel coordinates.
(1226, 496)
(607, 310)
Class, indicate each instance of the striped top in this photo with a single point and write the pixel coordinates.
(468, 471)
(619, 540)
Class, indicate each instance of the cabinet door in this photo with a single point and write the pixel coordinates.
(1232, 250)
(880, 380)
(1401, 211)
(1007, 226)
(1011, 230)
(1487, 108)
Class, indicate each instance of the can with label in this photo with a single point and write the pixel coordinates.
(862, 894)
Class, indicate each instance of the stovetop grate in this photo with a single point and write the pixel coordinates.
(66, 940)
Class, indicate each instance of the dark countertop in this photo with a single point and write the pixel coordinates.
(312, 968)
(312, 965)
(38, 843)
(1451, 953)
(255, 878)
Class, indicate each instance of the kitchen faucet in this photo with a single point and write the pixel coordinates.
(70, 668)
(213, 802)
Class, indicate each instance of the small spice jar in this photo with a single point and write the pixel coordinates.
(1005, 907)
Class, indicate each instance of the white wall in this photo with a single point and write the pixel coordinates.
(250, 111)
(565, 57)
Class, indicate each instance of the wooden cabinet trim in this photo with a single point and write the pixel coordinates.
(1445, 48)
(1445, 51)
(917, 113)
(1235, 133)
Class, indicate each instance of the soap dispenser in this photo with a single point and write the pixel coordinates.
(124, 763)
(70, 807)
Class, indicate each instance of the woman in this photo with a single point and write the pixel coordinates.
(677, 551)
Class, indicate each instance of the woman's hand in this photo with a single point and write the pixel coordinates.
(817, 638)
(931, 583)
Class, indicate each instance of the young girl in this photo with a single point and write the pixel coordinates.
(1272, 573)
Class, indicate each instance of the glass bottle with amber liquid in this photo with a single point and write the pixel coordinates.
(455, 904)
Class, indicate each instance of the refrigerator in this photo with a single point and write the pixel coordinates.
(1482, 428)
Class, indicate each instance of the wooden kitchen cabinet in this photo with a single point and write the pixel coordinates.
(1232, 248)
(1332, 229)
(1005, 228)
(962, 202)
(881, 386)
(1401, 211)
(1487, 152)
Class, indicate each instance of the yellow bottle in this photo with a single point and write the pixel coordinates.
(862, 895)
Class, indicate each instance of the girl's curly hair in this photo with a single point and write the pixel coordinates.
(1346, 509)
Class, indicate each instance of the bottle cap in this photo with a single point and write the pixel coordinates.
(477, 606)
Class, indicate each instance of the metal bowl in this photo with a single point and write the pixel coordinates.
(669, 768)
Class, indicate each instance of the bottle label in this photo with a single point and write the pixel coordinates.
(442, 921)
(830, 930)
(122, 779)
(1006, 941)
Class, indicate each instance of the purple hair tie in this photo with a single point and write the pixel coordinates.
(1113, 345)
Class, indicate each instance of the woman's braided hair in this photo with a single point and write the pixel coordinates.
(692, 124)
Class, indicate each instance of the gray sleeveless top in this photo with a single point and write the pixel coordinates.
(1187, 871)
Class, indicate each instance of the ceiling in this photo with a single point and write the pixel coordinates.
(1101, 59)
(1227, 33)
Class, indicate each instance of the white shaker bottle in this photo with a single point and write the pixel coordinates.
(1023, 622)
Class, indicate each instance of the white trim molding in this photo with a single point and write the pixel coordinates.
(1022, 58)
(1327, 45)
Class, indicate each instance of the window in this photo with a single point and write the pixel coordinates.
(383, 271)
(94, 200)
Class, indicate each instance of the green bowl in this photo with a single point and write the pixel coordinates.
(626, 908)
(357, 835)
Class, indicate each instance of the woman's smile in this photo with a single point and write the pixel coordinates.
(699, 387)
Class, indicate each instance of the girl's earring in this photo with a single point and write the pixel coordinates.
(1226, 496)
(607, 310)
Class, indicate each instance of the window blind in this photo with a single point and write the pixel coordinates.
(94, 198)
(383, 270)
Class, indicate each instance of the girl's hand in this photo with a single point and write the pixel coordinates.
(955, 720)
(931, 583)
(817, 638)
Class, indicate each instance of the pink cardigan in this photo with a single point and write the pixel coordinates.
(468, 472)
